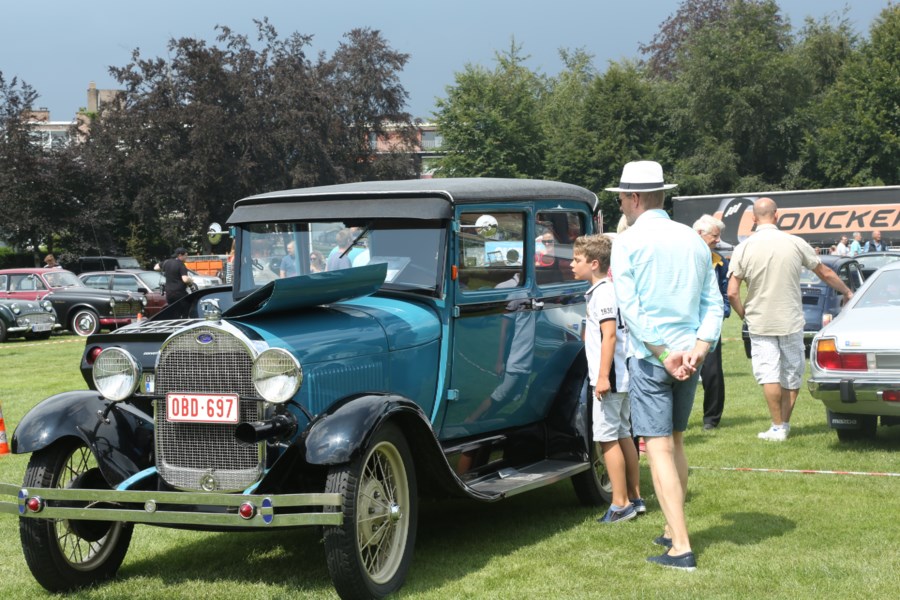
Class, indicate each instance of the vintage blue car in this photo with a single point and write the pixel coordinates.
(439, 353)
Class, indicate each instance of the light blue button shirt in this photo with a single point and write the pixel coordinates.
(665, 285)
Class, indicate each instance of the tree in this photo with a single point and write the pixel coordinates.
(216, 122)
(738, 90)
(856, 137)
(490, 121)
(32, 180)
(677, 31)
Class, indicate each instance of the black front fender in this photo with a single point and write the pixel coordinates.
(338, 434)
(122, 442)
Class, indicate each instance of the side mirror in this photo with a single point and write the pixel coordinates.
(486, 226)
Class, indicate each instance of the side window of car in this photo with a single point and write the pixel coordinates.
(556, 232)
(491, 250)
(96, 281)
(125, 282)
(3, 282)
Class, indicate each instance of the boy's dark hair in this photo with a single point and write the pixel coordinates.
(595, 247)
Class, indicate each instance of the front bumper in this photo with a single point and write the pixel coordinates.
(30, 329)
(856, 396)
(173, 508)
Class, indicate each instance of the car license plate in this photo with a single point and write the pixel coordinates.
(38, 327)
(202, 408)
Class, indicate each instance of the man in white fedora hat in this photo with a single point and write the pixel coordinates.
(669, 298)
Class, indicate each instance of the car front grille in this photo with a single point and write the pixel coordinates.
(36, 318)
(124, 310)
(202, 456)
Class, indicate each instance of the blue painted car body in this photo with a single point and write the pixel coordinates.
(440, 352)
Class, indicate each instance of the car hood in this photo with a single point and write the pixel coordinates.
(875, 328)
(332, 316)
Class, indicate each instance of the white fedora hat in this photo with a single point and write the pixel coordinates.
(642, 176)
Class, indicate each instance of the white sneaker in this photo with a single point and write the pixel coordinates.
(774, 434)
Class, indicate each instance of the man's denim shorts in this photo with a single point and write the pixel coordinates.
(660, 404)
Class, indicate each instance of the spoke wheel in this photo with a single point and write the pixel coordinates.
(369, 555)
(85, 323)
(65, 555)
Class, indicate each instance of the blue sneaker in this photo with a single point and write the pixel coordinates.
(616, 514)
(640, 507)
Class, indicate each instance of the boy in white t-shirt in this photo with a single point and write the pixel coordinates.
(605, 338)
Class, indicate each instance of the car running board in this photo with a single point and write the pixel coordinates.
(512, 481)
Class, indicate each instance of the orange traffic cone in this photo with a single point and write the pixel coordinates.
(4, 445)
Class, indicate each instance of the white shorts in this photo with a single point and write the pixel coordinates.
(778, 359)
(611, 417)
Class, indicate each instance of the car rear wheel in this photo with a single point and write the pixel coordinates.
(85, 322)
(369, 555)
(64, 554)
(3, 333)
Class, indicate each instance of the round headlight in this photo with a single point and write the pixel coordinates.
(112, 302)
(277, 375)
(48, 306)
(144, 300)
(15, 308)
(116, 374)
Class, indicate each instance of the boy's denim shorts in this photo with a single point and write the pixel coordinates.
(660, 404)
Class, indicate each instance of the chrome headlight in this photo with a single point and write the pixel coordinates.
(277, 375)
(112, 302)
(143, 300)
(48, 306)
(116, 374)
(15, 308)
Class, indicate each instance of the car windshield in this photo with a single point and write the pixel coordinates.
(58, 279)
(411, 248)
(883, 290)
(153, 279)
(875, 262)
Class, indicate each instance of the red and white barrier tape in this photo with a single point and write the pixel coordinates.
(800, 471)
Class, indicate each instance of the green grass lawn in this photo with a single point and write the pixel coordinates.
(757, 534)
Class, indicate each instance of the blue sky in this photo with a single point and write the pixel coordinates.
(59, 46)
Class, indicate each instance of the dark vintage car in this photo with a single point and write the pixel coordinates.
(102, 263)
(855, 359)
(869, 262)
(80, 309)
(821, 303)
(31, 319)
(148, 283)
(332, 399)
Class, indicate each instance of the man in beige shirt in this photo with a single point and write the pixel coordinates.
(770, 262)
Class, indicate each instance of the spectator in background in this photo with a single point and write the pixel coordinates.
(875, 244)
(289, 262)
(316, 262)
(842, 249)
(50, 262)
(710, 230)
(773, 309)
(856, 244)
(177, 277)
(338, 258)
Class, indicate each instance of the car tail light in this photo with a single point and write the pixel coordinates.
(828, 357)
(92, 354)
(890, 395)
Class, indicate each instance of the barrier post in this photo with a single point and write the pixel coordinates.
(4, 444)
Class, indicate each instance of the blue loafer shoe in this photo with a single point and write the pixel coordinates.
(663, 541)
(685, 562)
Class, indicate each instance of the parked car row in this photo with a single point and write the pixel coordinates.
(80, 309)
